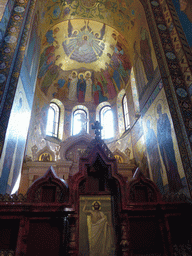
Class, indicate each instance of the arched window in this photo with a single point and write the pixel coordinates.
(106, 120)
(122, 112)
(80, 120)
(53, 120)
(125, 112)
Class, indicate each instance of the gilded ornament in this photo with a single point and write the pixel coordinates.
(88, 4)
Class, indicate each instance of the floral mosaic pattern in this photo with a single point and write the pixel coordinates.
(94, 8)
(99, 9)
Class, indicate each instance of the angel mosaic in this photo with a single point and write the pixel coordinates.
(84, 45)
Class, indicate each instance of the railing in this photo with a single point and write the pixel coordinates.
(13, 198)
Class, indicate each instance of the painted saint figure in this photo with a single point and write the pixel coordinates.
(88, 94)
(81, 88)
(62, 88)
(98, 93)
(121, 57)
(154, 157)
(140, 76)
(99, 231)
(47, 60)
(167, 150)
(145, 50)
(72, 85)
(51, 74)
(50, 36)
(186, 7)
(105, 75)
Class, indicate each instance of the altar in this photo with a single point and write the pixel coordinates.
(95, 212)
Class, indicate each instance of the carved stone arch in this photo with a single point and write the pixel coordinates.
(71, 144)
(48, 153)
(142, 190)
(48, 189)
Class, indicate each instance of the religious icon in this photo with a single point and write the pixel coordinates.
(154, 157)
(72, 85)
(98, 92)
(96, 229)
(85, 45)
(145, 51)
(81, 88)
(45, 157)
(119, 159)
(165, 141)
(88, 80)
(186, 7)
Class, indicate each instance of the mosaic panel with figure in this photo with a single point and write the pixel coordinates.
(96, 232)
(162, 148)
(81, 66)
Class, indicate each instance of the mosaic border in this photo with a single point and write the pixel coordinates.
(11, 57)
(173, 82)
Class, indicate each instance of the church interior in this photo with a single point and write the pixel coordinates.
(95, 127)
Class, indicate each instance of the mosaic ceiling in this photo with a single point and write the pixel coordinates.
(124, 16)
(89, 41)
(85, 44)
(120, 14)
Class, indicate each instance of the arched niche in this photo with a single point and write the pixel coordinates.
(48, 189)
(45, 155)
(142, 190)
(120, 156)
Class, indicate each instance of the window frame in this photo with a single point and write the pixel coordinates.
(56, 121)
(101, 121)
(73, 125)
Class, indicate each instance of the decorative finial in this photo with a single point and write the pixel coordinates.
(97, 127)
